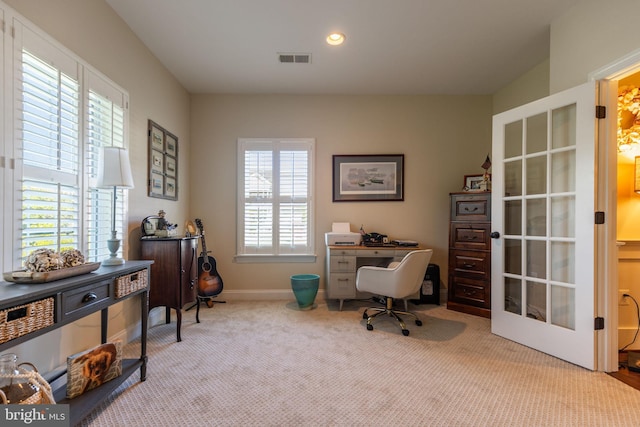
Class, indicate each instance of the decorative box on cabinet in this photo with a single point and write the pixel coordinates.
(174, 273)
(470, 253)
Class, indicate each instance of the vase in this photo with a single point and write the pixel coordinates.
(305, 289)
(15, 386)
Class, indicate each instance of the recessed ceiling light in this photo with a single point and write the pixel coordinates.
(335, 39)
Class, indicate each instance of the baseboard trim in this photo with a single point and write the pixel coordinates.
(262, 295)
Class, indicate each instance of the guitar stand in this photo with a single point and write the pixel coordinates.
(209, 300)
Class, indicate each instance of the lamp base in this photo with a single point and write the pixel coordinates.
(113, 244)
(112, 261)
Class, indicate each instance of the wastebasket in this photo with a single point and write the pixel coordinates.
(305, 289)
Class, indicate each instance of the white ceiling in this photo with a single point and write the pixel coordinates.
(392, 46)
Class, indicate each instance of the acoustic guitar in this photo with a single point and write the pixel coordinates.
(209, 281)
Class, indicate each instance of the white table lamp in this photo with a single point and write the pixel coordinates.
(114, 171)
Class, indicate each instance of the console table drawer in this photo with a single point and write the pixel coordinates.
(76, 300)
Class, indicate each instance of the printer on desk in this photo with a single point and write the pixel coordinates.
(342, 239)
(341, 235)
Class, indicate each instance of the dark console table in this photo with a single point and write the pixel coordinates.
(74, 298)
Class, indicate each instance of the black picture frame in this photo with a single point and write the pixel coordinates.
(368, 177)
(163, 163)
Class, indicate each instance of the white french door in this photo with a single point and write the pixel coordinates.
(542, 281)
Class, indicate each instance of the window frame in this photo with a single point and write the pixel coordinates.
(13, 170)
(276, 145)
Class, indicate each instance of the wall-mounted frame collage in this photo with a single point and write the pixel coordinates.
(163, 163)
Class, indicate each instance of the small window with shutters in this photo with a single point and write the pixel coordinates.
(275, 197)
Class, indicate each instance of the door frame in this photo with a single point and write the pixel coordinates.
(606, 249)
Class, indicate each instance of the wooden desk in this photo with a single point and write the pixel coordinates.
(75, 298)
(342, 264)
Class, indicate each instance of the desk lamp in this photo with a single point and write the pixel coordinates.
(114, 171)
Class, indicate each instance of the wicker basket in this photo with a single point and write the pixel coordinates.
(24, 319)
(131, 283)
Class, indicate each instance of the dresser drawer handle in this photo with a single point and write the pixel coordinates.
(471, 210)
(472, 237)
(468, 265)
(343, 280)
(89, 297)
(343, 262)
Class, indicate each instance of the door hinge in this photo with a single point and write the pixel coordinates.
(598, 324)
(601, 112)
(599, 218)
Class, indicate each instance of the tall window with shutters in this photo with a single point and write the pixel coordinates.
(50, 100)
(65, 112)
(275, 197)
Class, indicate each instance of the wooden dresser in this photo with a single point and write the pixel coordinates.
(470, 253)
(174, 273)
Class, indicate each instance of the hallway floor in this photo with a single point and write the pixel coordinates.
(628, 377)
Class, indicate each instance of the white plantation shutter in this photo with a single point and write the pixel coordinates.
(294, 190)
(48, 121)
(64, 112)
(258, 199)
(275, 204)
(105, 127)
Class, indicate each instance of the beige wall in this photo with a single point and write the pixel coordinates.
(443, 138)
(530, 86)
(594, 33)
(92, 30)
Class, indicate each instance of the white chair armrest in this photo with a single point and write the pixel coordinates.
(377, 279)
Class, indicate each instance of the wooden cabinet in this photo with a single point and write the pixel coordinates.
(470, 253)
(174, 273)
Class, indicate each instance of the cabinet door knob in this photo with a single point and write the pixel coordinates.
(494, 235)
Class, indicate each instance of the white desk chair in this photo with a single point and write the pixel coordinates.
(397, 281)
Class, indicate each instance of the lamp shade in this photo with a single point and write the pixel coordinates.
(114, 169)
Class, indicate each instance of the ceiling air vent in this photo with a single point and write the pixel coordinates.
(294, 58)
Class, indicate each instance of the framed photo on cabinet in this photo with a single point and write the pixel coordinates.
(163, 163)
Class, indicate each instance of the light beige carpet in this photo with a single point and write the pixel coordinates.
(269, 364)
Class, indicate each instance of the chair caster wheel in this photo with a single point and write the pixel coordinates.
(364, 315)
(419, 322)
(209, 303)
(369, 327)
(405, 332)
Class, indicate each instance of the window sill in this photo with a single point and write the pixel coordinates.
(255, 259)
